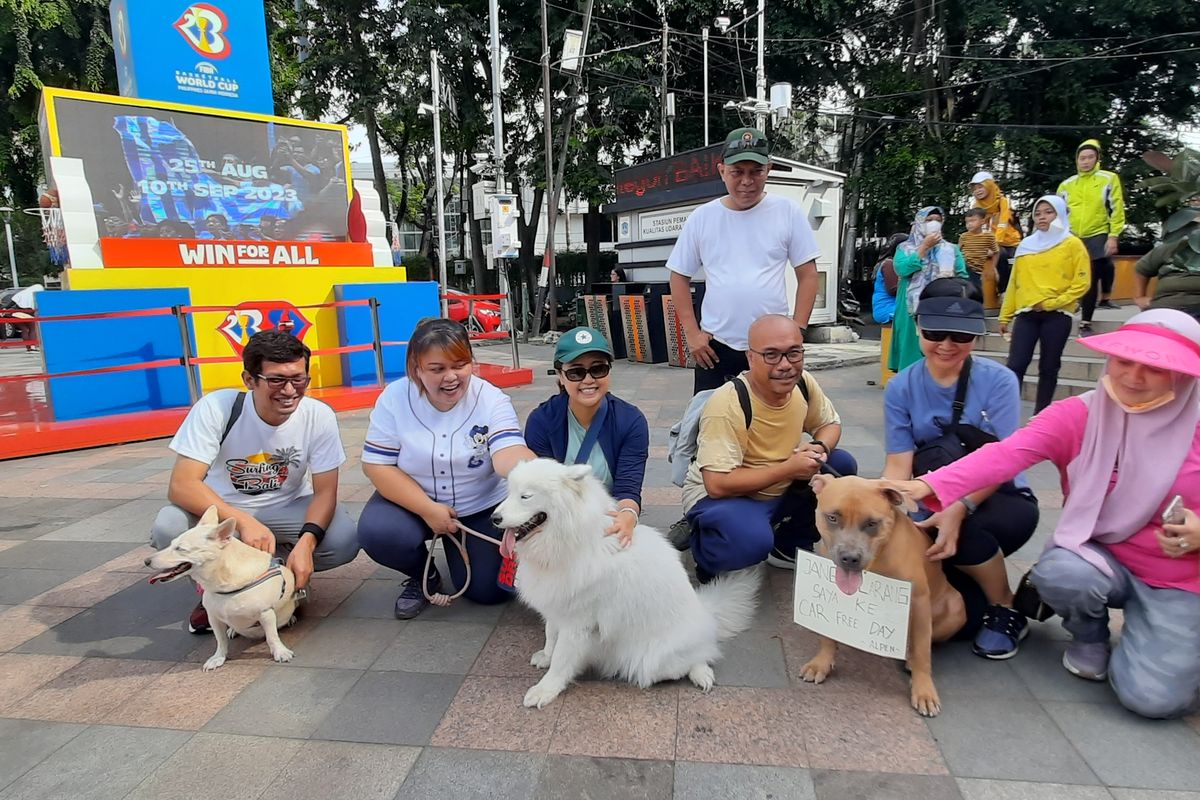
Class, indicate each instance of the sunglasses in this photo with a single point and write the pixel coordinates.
(277, 382)
(773, 357)
(597, 371)
(954, 336)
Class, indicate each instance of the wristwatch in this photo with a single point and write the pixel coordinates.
(970, 505)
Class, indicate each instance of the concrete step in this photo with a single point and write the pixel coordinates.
(1066, 387)
(995, 343)
(1099, 325)
(1082, 368)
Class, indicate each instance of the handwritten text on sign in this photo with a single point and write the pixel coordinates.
(874, 619)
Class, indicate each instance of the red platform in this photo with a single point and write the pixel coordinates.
(27, 427)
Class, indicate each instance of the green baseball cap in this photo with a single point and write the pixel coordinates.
(746, 144)
(577, 341)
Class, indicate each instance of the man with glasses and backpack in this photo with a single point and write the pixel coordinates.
(267, 457)
(746, 494)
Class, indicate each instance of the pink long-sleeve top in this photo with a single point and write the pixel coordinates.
(1056, 435)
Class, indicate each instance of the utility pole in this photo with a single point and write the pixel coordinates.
(498, 144)
(704, 38)
(662, 95)
(760, 78)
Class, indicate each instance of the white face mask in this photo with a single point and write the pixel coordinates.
(933, 226)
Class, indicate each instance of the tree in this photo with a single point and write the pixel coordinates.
(62, 43)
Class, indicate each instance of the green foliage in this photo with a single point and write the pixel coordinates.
(1179, 249)
(419, 268)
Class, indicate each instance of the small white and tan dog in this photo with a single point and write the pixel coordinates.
(625, 613)
(245, 590)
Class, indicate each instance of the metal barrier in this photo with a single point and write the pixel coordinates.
(479, 336)
(189, 360)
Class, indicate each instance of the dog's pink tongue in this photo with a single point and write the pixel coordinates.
(508, 544)
(848, 583)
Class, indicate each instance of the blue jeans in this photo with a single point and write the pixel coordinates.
(395, 537)
(733, 533)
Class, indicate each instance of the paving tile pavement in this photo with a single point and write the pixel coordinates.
(101, 694)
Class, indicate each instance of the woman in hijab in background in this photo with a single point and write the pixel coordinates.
(1049, 276)
(924, 258)
(1002, 222)
(1128, 456)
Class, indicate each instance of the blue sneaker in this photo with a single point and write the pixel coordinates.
(1001, 634)
(411, 601)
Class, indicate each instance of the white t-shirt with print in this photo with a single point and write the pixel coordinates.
(260, 465)
(746, 256)
(448, 453)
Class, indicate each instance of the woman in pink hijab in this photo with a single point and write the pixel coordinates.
(1124, 452)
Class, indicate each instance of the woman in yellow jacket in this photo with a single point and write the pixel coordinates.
(1002, 221)
(1051, 273)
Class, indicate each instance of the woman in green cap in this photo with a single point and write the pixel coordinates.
(585, 424)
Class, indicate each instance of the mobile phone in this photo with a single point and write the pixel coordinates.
(1173, 515)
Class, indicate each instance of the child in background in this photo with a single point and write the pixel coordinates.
(979, 248)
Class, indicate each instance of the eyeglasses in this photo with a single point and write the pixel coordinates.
(773, 357)
(747, 144)
(277, 381)
(954, 336)
(597, 371)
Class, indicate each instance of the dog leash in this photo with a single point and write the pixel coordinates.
(440, 598)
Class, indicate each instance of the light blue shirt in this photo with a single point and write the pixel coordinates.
(595, 460)
(914, 405)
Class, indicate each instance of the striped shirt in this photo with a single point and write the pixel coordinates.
(977, 249)
(448, 453)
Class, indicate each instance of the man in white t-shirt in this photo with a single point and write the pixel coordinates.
(745, 242)
(267, 457)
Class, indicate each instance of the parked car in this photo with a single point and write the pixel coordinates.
(479, 316)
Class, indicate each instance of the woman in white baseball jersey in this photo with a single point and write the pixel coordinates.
(438, 447)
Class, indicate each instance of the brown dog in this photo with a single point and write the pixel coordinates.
(864, 526)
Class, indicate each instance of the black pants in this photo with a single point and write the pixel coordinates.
(1004, 268)
(730, 364)
(1052, 329)
(1002, 524)
(1103, 273)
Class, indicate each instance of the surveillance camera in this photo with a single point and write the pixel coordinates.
(722, 23)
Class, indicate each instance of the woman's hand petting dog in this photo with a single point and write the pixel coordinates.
(622, 527)
(1179, 540)
(916, 490)
(948, 526)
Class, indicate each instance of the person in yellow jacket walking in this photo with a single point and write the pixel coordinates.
(1049, 276)
(1002, 222)
(1097, 206)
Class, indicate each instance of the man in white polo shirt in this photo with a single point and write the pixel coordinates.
(745, 242)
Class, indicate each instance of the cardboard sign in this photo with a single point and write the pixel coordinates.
(874, 619)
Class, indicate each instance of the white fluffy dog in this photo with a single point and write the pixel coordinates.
(628, 613)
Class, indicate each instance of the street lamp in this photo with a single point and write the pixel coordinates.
(12, 254)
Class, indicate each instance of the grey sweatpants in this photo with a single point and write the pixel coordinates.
(339, 546)
(1155, 667)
